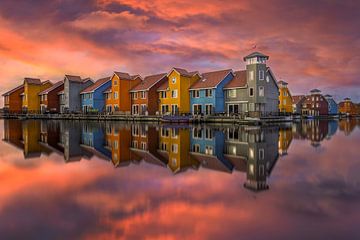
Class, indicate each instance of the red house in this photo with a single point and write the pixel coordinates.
(144, 96)
(13, 100)
(49, 98)
(315, 104)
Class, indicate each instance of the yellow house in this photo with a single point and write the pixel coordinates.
(285, 138)
(174, 145)
(174, 94)
(285, 99)
(30, 97)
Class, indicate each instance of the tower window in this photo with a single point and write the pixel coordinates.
(251, 75)
(261, 91)
(251, 92)
(261, 74)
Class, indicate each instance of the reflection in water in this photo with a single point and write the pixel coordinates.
(253, 150)
(179, 182)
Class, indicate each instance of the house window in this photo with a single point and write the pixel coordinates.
(173, 161)
(251, 92)
(174, 133)
(163, 94)
(208, 93)
(261, 154)
(197, 133)
(134, 144)
(115, 95)
(251, 153)
(209, 150)
(143, 95)
(134, 95)
(285, 93)
(163, 146)
(196, 94)
(143, 145)
(261, 91)
(267, 79)
(232, 93)
(208, 133)
(208, 109)
(174, 148)
(261, 75)
(115, 82)
(284, 102)
(251, 75)
(196, 148)
(165, 132)
(173, 80)
(116, 144)
(174, 93)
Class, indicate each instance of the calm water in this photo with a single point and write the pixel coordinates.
(77, 180)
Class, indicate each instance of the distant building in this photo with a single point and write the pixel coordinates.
(144, 96)
(297, 103)
(285, 99)
(70, 99)
(13, 100)
(254, 91)
(93, 98)
(315, 104)
(333, 106)
(49, 98)
(207, 94)
(347, 107)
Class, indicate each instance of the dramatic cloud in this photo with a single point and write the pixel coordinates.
(311, 44)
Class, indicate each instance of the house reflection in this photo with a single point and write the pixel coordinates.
(253, 150)
(347, 125)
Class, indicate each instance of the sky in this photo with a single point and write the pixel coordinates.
(311, 44)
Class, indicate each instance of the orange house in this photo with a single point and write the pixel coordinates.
(347, 107)
(118, 98)
(13, 100)
(144, 97)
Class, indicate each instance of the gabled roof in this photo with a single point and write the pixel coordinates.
(212, 162)
(164, 86)
(239, 80)
(96, 85)
(183, 72)
(282, 83)
(347, 99)
(328, 96)
(108, 90)
(53, 87)
(36, 81)
(126, 76)
(13, 90)
(256, 54)
(148, 82)
(211, 79)
(297, 99)
(73, 78)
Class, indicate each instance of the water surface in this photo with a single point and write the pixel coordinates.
(90, 180)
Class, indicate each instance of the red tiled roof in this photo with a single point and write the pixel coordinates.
(36, 81)
(239, 80)
(297, 99)
(13, 90)
(96, 85)
(53, 87)
(211, 79)
(148, 82)
(163, 86)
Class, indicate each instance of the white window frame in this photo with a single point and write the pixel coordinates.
(261, 75)
(173, 80)
(174, 93)
(261, 90)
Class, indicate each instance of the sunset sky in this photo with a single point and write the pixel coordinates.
(311, 44)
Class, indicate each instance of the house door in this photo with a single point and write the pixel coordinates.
(208, 109)
(197, 109)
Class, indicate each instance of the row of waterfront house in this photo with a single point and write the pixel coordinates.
(251, 92)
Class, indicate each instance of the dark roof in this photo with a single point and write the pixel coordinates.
(211, 79)
(328, 96)
(239, 80)
(315, 91)
(297, 99)
(126, 76)
(184, 72)
(148, 82)
(256, 54)
(53, 87)
(13, 90)
(347, 99)
(163, 86)
(96, 85)
(282, 82)
(212, 162)
(74, 78)
(36, 81)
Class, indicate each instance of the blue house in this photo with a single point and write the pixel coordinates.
(93, 98)
(207, 147)
(333, 107)
(207, 95)
(93, 139)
